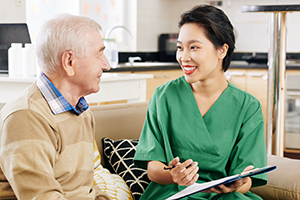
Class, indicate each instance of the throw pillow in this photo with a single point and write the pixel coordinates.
(120, 155)
(111, 184)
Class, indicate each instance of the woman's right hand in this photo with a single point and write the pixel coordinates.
(185, 173)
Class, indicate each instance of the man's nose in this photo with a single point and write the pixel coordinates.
(105, 64)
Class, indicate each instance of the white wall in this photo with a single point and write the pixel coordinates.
(148, 19)
(39, 11)
(12, 12)
(161, 16)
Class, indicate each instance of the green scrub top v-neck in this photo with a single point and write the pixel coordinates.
(227, 139)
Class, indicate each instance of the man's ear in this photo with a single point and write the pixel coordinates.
(222, 51)
(67, 60)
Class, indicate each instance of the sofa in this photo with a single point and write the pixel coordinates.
(124, 122)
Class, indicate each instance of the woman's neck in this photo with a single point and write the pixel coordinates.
(210, 87)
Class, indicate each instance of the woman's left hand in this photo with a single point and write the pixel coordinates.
(242, 185)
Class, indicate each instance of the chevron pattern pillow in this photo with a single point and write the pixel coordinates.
(111, 184)
(120, 156)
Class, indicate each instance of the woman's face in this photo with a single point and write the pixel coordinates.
(196, 54)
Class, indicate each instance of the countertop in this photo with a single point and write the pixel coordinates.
(113, 87)
(155, 66)
(106, 77)
(171, 66)
(271, 8)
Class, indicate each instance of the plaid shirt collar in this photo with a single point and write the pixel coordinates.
(56, 100)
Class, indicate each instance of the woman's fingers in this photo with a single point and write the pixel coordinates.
(185, 173)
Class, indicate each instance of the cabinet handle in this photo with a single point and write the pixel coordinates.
(229, 74)
(264, 75)
(158, 76)
(255, 74)
(168, 76)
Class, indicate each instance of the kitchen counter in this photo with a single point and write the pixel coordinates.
(113, 87)
(170, 66)
(145, 66)
(245, 65)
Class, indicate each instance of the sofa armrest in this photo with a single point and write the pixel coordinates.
(284, 182)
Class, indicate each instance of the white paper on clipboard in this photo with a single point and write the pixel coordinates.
(198, 187)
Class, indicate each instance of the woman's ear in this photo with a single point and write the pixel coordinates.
(67, 59)
(222, 51)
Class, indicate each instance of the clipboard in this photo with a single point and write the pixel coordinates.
(198, 187)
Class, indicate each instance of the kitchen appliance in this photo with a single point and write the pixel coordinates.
(111, 52)
(167, 47)
(11, 33)
(292, 121)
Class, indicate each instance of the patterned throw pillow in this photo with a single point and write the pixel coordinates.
(111, 184)
(120, 155)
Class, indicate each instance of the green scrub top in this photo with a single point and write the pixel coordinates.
(227, 139)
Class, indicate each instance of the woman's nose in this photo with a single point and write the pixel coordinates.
(185, 56)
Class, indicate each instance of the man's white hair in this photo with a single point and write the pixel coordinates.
(62, 33)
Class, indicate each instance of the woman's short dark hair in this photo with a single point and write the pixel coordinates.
(218, 28)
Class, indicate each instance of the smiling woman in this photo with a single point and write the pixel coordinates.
(201, 118)
(197, 55)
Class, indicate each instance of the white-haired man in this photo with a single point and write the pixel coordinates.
(47, 134)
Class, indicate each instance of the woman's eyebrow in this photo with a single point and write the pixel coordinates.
(195, 41)
(190, 41)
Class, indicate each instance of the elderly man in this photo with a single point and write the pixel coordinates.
(47, 134)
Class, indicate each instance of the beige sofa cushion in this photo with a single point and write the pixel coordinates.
(126, 121)
(284, 182)
(1, 105)
(119, 121)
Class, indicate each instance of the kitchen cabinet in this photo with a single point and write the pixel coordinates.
(237, 77)
(293, 71)
(113, 87)
(159, 77)
(292, 149)
(257, 85)
(254, 81)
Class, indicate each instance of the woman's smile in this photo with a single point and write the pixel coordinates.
(188, 69)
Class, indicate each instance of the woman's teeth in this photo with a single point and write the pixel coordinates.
(189, 68)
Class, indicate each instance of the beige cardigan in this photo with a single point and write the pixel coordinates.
(45, 156)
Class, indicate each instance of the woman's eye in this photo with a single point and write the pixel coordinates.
(193, 47)
(178, 47)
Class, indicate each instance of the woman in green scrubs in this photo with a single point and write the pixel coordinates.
(200, 123)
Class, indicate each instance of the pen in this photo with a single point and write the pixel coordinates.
(169, 167)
